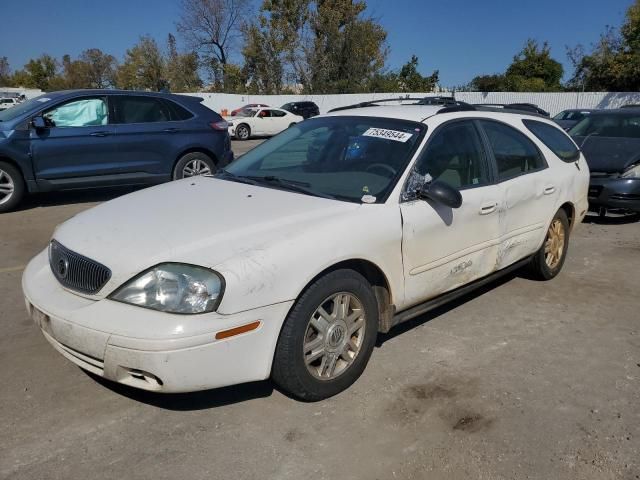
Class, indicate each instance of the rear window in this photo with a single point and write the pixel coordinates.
(141, 110)
(177, 112)
(555, 139)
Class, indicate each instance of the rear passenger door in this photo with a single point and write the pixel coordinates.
(148, 139)
(528, 189)
(444, 248)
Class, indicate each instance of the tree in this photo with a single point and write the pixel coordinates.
(99, 68)
(37, 73)
(614, 61)
(5, 72)
(532, 70)
(181, 69)
(410, 80)
(143, 67)
(211, 28)
(348, 49)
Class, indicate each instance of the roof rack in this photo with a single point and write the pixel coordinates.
(374, 103)
(513, 108)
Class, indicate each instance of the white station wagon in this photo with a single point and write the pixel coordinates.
(289, 262)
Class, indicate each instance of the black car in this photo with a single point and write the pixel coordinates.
(610, 140)
(101, 138)
(304, 109)
(568, 118)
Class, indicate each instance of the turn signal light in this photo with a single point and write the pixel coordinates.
(237, 330)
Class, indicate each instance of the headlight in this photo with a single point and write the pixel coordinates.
(174, 288)
(633, 172)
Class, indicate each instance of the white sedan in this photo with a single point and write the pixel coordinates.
(338, 228)
(260, 122)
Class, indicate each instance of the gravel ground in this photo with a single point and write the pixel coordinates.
(522, 379)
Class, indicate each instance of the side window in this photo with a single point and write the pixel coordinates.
(78, 113)
(265, 113)
(133, 109)
(455, 155)
(555, 139)
(515, 154)
(278, 113)
(177, 112)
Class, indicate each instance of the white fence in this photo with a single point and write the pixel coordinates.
(551, 102)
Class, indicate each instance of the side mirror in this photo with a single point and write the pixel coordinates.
(38, 123)
(441, 192)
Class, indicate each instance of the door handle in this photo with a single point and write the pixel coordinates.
(488, 208)
(171, 130)
(549, 190)
(100, 134)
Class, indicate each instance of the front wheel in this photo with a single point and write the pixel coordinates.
(327, 338)
(548, 261)
(12, 187)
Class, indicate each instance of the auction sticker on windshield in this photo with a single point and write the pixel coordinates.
(394, 135)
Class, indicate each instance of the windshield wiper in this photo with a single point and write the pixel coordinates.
(233, 177)
(292, 185)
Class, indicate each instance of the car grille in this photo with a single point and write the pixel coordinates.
(75, 271)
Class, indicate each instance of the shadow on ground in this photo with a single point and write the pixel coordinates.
(612, 220)
(206, 399)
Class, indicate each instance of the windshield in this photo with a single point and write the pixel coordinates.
(18, 110)
(357, 159)
(611, 125)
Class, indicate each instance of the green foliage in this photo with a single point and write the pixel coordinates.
(532, 70)
(181, 69)
(614, 62)
(143, 67)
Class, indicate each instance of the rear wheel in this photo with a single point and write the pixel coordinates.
(548, 261)
(194, 164)
(12, 187)
(327, 338)
(243, 132)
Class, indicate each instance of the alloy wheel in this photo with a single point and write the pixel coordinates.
(554, 244)
(7, 187)
(196, 167)
(334, 336)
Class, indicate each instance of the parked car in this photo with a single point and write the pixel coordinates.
(568, 118)
(261, 122)
(339, 228)
(6, 103)
(248, 106)
(97, 138)
(303, 109)
(610, 140)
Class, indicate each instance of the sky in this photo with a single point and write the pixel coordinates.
(460, 38)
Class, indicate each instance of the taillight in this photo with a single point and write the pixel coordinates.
(221, 125)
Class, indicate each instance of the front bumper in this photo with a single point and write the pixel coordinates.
(147, 349)
(614, 193)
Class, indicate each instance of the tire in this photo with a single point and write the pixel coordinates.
(243, 132)
(194, 164)
(12, 187)
(310, 378)
(544, 265)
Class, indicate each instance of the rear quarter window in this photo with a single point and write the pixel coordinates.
(177, 112)
(555, 140)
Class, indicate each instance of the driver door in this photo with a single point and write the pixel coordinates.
(445, 248)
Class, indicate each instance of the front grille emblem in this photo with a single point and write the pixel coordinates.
(63, 267)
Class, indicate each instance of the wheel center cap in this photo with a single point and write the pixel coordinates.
(336, 335)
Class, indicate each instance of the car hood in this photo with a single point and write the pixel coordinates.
(202, 221)
(609, 154)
